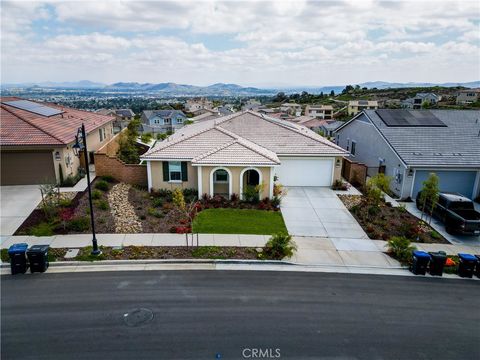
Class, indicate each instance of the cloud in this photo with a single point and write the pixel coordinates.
(297, 42)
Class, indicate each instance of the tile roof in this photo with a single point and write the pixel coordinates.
(162, 113)
(457, 144)
(243, 137)
(21, 127)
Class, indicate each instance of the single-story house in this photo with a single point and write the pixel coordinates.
(225, 155)
(162, 121)
(36, 140)
(410, 144)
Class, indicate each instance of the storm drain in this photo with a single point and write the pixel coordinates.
(138, 317)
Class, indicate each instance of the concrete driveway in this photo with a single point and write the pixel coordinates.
(17, 202)
(317, 211)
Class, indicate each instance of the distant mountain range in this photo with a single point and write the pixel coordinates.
(218, 89)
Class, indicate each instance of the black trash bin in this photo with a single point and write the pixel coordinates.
(466, 265)
(18, 260)
(420, 262)
(38, 258)
(477, 268)
(437, 262)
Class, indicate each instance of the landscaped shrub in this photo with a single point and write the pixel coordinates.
(65, 202)
(278, 247)
(382, 182)
(108, 178)
(158, 202)
(154, 212)
(101, 185)
(179, 199)
(78, 224)
(42, 229)
(101, 204)
(146, 137)
(96, 194)
(251, 194)
(161, 136)
(339, 185)
(401, 249)
(276, 201)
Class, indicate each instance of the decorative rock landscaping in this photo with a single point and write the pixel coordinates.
(126, 220)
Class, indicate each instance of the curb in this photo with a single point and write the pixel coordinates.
(164, 262)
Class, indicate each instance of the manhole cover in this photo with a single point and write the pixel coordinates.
(138, 317)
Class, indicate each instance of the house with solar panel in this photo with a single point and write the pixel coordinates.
(356, 106)
(162, 121)
(36, 140)
(408, 145)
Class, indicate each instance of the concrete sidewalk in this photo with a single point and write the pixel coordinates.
(310, 250)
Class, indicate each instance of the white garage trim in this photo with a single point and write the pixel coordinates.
(306, 171)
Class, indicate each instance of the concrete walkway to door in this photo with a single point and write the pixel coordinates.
(317, 211)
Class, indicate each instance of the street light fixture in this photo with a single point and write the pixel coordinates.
(79, 147)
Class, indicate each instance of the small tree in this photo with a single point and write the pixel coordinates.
(429, 194)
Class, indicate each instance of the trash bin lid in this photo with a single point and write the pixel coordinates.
(38, 248)
(467, 257)
(421, 254)
(439, 254)
(18, 248)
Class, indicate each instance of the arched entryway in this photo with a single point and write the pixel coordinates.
(249, 178)
(221, 182)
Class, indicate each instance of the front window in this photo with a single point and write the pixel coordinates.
(221, 176)
(166, 121)
(175, 170)
(100, 131)
(354, 143)
(179, 121)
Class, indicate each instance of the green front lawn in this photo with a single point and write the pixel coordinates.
(239, 221)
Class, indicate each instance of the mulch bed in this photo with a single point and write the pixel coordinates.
(387, 221)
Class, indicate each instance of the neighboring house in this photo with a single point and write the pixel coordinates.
(420, 99)
(465, 97)
(309, 122)
(329, 127)
(251, 104)
(410, 144)
(291, 109)
(356, 106)
(122, 117)
(319, 111)
(205, 116)
(36, 140)
(162, 121)
(193, 105)
(223, 156)
(223, 110)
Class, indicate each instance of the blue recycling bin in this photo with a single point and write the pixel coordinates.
(466, 265)
(18, 258)
(419, 262)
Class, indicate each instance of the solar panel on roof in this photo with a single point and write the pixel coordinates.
(33, 107)
(406, 118)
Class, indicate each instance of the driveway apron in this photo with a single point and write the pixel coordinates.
(317, 211)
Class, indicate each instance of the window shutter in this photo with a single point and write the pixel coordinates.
(166, 176)
(184, 171)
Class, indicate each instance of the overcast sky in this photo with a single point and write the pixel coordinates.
(249, 43)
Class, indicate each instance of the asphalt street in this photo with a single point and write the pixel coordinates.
(237, 315)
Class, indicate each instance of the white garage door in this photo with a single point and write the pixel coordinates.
(305, 172)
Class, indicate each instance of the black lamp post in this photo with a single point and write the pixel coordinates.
(79, 146)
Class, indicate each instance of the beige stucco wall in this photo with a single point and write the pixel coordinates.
(157, 178)
(337, 169)
(235, 171)
(69, 162)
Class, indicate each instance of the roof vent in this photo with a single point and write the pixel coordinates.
(457, 154)
(437, 154)
(417, 153)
